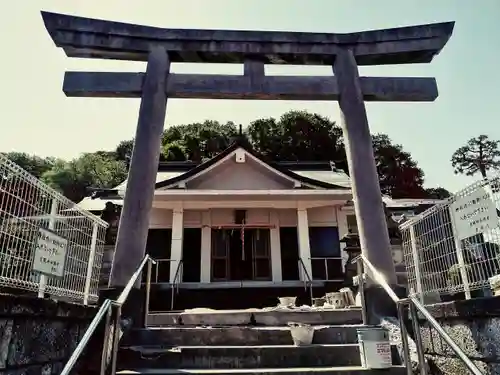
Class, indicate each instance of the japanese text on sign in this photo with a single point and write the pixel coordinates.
(474, 214)
(50, 254)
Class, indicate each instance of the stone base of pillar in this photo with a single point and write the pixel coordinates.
(133, 309)
(379, 304)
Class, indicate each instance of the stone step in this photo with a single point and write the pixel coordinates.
(255, 317)
(228, 336)
(208, 357)
(261, 296)
(347, 370)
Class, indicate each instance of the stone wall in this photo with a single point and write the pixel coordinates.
(37, 336)
(474, 325)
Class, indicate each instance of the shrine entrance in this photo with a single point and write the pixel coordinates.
(241, 254)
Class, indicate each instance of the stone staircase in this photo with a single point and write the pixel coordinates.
(246, 342)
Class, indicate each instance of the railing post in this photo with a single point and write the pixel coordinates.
(361, 290)
(181, 277)
(116, 338)
(157, 269)
(404, 337)
(460, 258)
(175, 284)
(416, 263)
(148, 291)
(52, 225)
(172, 291)
(105, 346)
(418, 339)
(301, 273)
(326, 269)
(90, 265)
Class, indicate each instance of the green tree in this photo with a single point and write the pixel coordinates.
(74, 178)
(34, 165)
(197, 141)
(304, 136)
(124, 149)
(437, 193)
(298, 136)
(174, 151)
(479, 154)
(399, 174)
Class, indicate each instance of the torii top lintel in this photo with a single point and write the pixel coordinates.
(93, 38)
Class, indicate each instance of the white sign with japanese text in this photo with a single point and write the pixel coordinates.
(476, 213)
(50, 253)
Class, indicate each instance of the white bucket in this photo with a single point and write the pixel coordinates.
(348, 296)
(302, 334)
(336, 299)
(287, 301)
(374, 348)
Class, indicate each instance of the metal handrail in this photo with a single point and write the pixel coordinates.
(380, 279)
(175, 284)
(308, 279)
(159, 262)
(133, 279)
(415, 305)
(105, 311)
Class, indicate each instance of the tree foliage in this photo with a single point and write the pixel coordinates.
(74, 178)
(399, 174)
(479, 154)
(298, 136)
(295, 136)
(124, 149)
(437, 193)
(35, 165)
(197, 141)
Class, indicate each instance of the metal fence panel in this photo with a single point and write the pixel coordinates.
(29, 208)
(454, 247)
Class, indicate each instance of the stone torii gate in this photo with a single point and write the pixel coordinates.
(99, 39)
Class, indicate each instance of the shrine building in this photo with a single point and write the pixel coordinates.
(236, 221)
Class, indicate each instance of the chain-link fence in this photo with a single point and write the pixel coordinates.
(47, 244)
(454, 247)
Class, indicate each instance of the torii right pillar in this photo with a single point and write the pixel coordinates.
(368, 205)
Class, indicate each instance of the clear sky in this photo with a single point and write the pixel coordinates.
(37, 118)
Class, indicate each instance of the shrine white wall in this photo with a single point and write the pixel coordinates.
(319, 216)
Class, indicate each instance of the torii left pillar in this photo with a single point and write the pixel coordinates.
(134, 221)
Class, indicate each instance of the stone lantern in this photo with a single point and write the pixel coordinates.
(353, 249)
